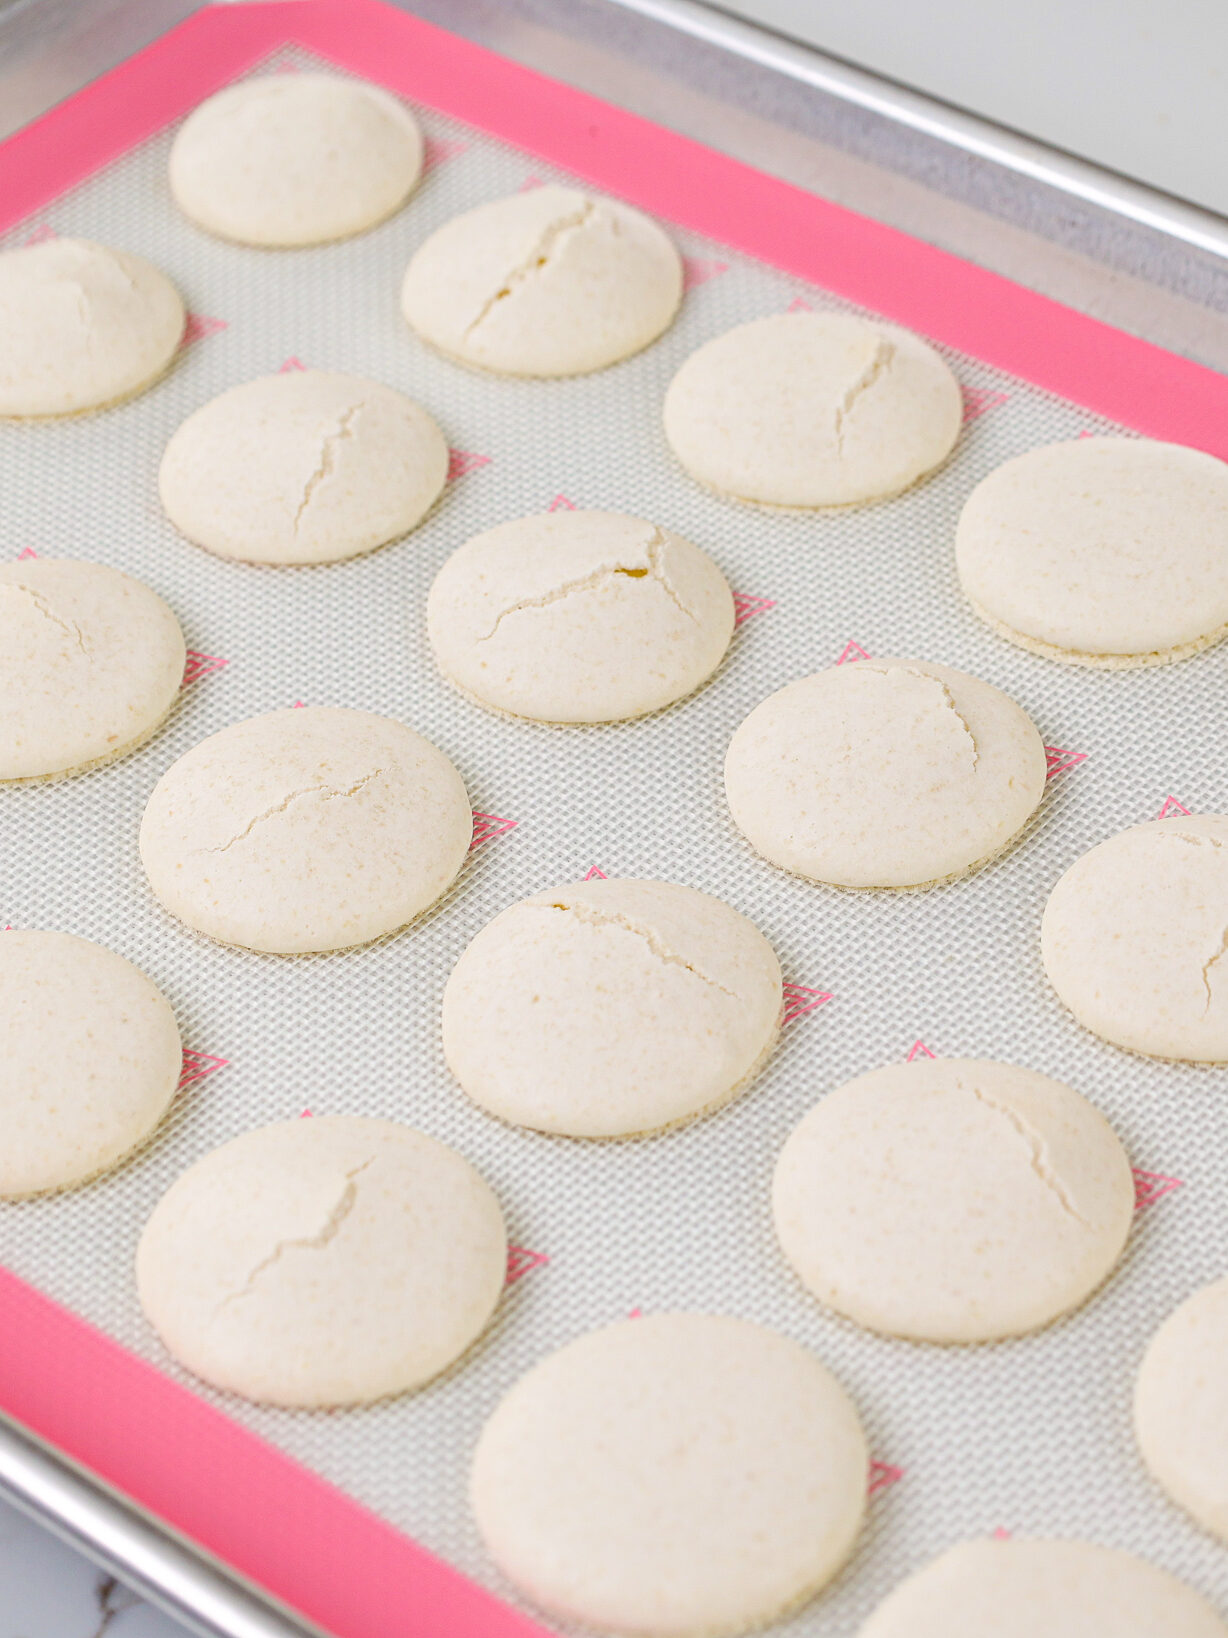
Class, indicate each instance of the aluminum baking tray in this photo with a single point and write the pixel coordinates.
(355, 1522)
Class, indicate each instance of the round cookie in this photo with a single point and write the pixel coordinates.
(1181, 1407)
(90, 1058)
(549, 282)
(91, 661)
(579, 617)
(611, 1008)
(812, 409)
(306, 467)
(884, 773)
(1133, 938)
(305, 830)
(295, 159)
(1023, 1589)
(679, 1475)
(329, 1261)
(952, 1200)
(1100, 552)
(81, 327)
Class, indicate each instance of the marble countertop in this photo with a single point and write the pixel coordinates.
(47, 1590)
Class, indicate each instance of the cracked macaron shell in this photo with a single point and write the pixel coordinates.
(1003, 1588)
(305, 829)
(682, 1475)
(91, 661)
(329, 1260)
(1134, 937)
(884, 773)
(294, 159)
(1181, 1407)
(953, 1200)
(548, 282)
(579, 617)
(812, 409)
(1108, 552)
(81, 327)
(611, 1008)
(90, 1058)
(309, 466)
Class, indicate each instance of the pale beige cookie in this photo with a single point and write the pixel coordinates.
(304, 467)
(813, 409)
(1134, 935)
(323, 1261)
(548, 282)
(81, 327)
(1042, 1589)
(89, 1060)
(953, 1200)
(309, 829)
(680, 1475)
(91, 661)
(295, 159)
(579, 617)
(611, 1008)
(884, 773)
(1101, 551)
(1181, 1407)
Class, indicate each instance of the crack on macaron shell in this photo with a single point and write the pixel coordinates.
(327, 792)
(1206, 970)
(603, 918)
(538, 257)
(884, 352)
(947, 698)
(70, 628)
(653, 568)
(1037, 1153)
(342, 431)
(337, 1214)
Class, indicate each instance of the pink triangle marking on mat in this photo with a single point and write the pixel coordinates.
(198, 326)
(200, 665)
(40, 235)
(745, 607)
(298, 706)
(799, 304)
(439, 149)
(595, 875)
(1171, 805)
(25, 552)
(1152, 1186)
(461, 461)
(919, 1050)
(293, 363)
(882, 1476)
(486, 825)
(305, 1114)
(636, 1313)
(560, 503)
(852, 652)
(522, 1261)
(799, 999)
(196, 1065)
(1057, 761)
(1001, 1534)
(530, 182)
(979, 401)
(699, 269)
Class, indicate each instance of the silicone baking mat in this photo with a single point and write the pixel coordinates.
(1032, 1436)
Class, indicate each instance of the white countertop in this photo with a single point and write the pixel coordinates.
(49, 1591)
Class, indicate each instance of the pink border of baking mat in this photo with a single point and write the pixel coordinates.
(274, 1521)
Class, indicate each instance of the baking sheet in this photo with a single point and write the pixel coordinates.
(1031, 1436)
